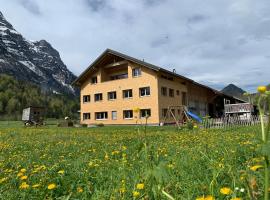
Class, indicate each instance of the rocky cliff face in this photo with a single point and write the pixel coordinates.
(37, 62)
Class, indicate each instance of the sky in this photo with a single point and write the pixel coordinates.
(214, 42)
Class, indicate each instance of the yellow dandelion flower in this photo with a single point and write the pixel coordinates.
(136, 110)
(61, 172)
(255, 167)
(106, 157)
(51, 186)
(24, 177)
(23, 170)
(225, 191)
(79, 189)
(122, 190)
(35, 185)
(262, 89)
(140, 186)
(124, 148)
(24, 185)
(136, 194)
(236, 198)
(20, 174)
(2, 180)
(208, 197)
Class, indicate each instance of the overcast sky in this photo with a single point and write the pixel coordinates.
(215, 42)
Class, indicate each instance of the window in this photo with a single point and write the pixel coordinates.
(86, 98)
(171, 92)
(101, 115)
(94, 80)
(128, 114)
(184, 98)
(111, 95)
(177, 92)
(114, 115)
(86, 116)
(164, 91)
(136, 72)
(145, 113)
(119, 76)
(98, 97)
(145, 91)
(127, 93)
(164, 112)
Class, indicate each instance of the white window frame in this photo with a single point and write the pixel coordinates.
(99, 94)
(129, 96)
(146, 90)
(84, 96)
(130, 115)
(114, 115)
(103, 114)
(112, 92)
(136, 72)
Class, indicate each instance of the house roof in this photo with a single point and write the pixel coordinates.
(145, 64)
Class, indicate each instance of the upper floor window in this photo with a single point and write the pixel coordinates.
(94, 80)
(86, 98)
(128, 114)
(111, 95)
(184, 98)
(164, 91)
(145, 113)
(119, 76)
(127, 93)
(101, 115)
(98, 97)
(86, 116)
(171, 92)
(145, 91)
(136, 72)
(177, 92)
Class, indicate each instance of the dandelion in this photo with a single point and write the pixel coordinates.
(236, 198)
(35, 185)
(208, 197)
(262, 89)
(3, 179)
(140, 186)
(136, 194)
(51, 186)
(23, 170)
(106, 157)
(225, 191)
(24, 185)
(255, 167)
(79, 189)
(122, 190)
(24, 178)
(61, 172)
(20, 174)
(136, 110)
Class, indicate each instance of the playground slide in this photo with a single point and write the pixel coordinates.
(195, 117)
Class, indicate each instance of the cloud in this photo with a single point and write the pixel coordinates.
(213, 42)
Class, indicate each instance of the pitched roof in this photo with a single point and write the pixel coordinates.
(145, 64)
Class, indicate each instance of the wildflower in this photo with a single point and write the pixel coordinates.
(51, 186)
(79, 189)
(225, 191)
(136, 194)
(20, 174)
(136, 110)
(208, 197)
(140, 186)
(61, 172)
(3, 179)
(262, 89)
(35, 185)
(124, 148)
(236, 198)
(24, 185)
(106, 157)
(24, 177)
(23, 170)
(242, 190)
(255, 167)
(122, 190)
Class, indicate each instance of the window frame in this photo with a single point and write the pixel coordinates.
(145, 110)
(171, 94)
(136, 74)
(128, 90)
(115, 96)
(86, 114)
(129, 111)
(101, 95)
(94, 78)
(114, 117)
(147, 89)
(84, 96)
(105, 117)
(164, 89)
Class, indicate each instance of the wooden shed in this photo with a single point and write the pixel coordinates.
(33, 115)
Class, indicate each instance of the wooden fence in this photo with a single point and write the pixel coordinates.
(227, 122)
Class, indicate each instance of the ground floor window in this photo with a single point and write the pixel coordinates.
(128, 114)
(101, 115)
(164, 112)
(145, 113)
(114, 115)
(86, 116)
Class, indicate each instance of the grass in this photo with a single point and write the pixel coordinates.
(109, 162)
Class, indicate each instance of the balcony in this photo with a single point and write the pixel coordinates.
(115, 71)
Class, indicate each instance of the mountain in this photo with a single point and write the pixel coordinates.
(37, 62)
(233, 90)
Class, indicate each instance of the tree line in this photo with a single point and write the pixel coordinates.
(15, 95)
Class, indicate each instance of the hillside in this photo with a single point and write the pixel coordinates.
(16, 95)
(233, 90)
(36, 62)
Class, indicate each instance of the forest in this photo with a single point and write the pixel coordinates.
(16, 95)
